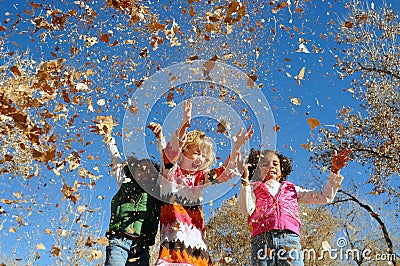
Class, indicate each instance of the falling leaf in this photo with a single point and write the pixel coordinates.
(250, 82)
(295, 101)
(276, 128)
(105, 38)
(348, 24)
(40, 246)
(102, 241)
(313, 123)
(302, 49)
(12, 230)
(221, 128)
(44, 156)
(95, 255)
(101, 102)
(55, 251)
(15, 70)
(81, 209)
(210, 64)
(341, 129)
(104, 125)
(300, 76)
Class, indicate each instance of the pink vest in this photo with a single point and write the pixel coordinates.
(277, 213)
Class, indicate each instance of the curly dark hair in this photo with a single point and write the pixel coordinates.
(254, 159)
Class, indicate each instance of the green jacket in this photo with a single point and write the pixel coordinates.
(134, 211)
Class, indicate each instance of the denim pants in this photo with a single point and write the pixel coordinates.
(276, 248)
(123, 251)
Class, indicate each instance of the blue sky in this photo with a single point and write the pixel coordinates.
(275, 47)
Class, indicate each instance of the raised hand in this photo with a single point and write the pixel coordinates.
(187, 112)
(187, 117)
(156, 128)
(242, 137)
(340, 160)
(234, 158)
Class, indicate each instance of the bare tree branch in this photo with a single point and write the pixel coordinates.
(377, 218)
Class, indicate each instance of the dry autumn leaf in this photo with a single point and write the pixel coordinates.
(40, 246)
(221, 128)
(295, 101)
(15, 71)
(210, 64)
(44, 156)
(313, 123)
(300, 76)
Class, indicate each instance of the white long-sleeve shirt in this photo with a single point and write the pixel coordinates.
(247, 198)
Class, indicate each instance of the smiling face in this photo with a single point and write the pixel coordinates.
(270, 167)
(195, 158)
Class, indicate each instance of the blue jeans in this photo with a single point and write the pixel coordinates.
(276, 248)
(122, 251)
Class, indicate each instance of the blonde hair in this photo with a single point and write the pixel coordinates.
(198, 137)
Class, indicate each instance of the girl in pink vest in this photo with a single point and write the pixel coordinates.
(271, 204)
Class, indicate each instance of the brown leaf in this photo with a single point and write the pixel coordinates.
(44, 156)
(313, 123)
(276, 128)
(250, 81)
(55, 251)
(348, 24)
(15, 70)
(104, 125)
(210, 64)
(304, 146)
(341, 129)
(105, 38)
(221, 128)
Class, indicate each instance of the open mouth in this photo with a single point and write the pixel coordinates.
(195, 165)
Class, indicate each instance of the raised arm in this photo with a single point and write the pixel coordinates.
(247, 198)
(328, 193)
(116, 159)
(178, 138)
(231, 163)
(156, 128)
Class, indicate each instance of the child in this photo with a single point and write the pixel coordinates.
(134, 212)
(187, 160)
(271, 204)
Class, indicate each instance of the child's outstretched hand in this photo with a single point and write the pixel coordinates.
(242, 138)
(187, 117)
(340, 160)
(156, 128)
(187, 112)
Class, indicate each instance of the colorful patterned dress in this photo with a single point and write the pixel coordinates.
(182, 227)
